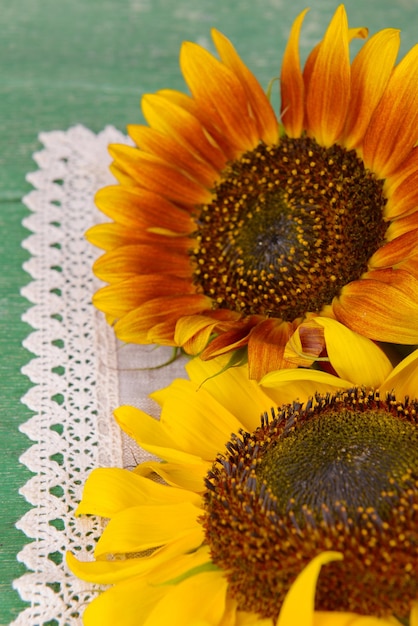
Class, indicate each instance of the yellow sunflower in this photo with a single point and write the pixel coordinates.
(259, 522)
(231, 227)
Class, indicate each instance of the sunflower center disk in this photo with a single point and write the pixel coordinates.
(339, 475)
(288, 227)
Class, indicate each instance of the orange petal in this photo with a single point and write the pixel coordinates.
(138, 208)
(328, 92)
(305, 345)
(395, 251)
(132, 260)
(208, 121)
(266, 346)
(118, 299)
(121, 175)
(155, 174)
(401, 189)
(383, 307)
(110, 235)
(392, 132)
(370, 73)
(219, 94)
(167, 148)
(193, 332)
(135, 326)
(291, 83)
(233, 339)
(166, 111)
(402, 225)
(261, 109)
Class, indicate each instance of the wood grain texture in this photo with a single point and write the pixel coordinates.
(89, 62)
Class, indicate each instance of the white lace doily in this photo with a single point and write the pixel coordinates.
(79, 372)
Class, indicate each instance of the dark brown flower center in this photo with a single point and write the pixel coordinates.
(288, 227)
(340, 474)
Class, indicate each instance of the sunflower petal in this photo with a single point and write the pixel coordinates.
(395, 251)
(128, 603)
(401, 189)
(164, 112)
(403, 378)
(383, 306)
(291, 83)
(106, 572)
(219, 94)
(144, 527)
(266, 345)
(246, 401)
(198, 599)
(108, 491)
(194, 331)
(158, 176)
(212, 423)
(392, 132)
(136, 259)
(189, 476)
(300, 384)
(294, 611)
(328, 92)
(333, 618)
(261, 109)
(136, 326)
(353, 356)
(129, 294)
(370, 73)
(142, 209)
(168, 149)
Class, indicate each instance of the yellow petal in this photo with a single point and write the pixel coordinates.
(182, 475)
(323, 618)
(193, 332)
(200, 598)
(108, 491)
(144, 527)
(353, 356)
(287, 386)
(232, 389)
(196, 421)
(151, 435)
(128, 603)
(403, 379)
(105, 572)
(413, 621)
(294, 611)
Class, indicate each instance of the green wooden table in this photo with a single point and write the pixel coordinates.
(89, 61)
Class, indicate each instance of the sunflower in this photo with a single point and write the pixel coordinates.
(231, 227)
(249, 522)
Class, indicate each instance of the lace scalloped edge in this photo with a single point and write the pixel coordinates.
(74, 362)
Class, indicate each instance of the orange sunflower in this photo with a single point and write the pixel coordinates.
(231, 228)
